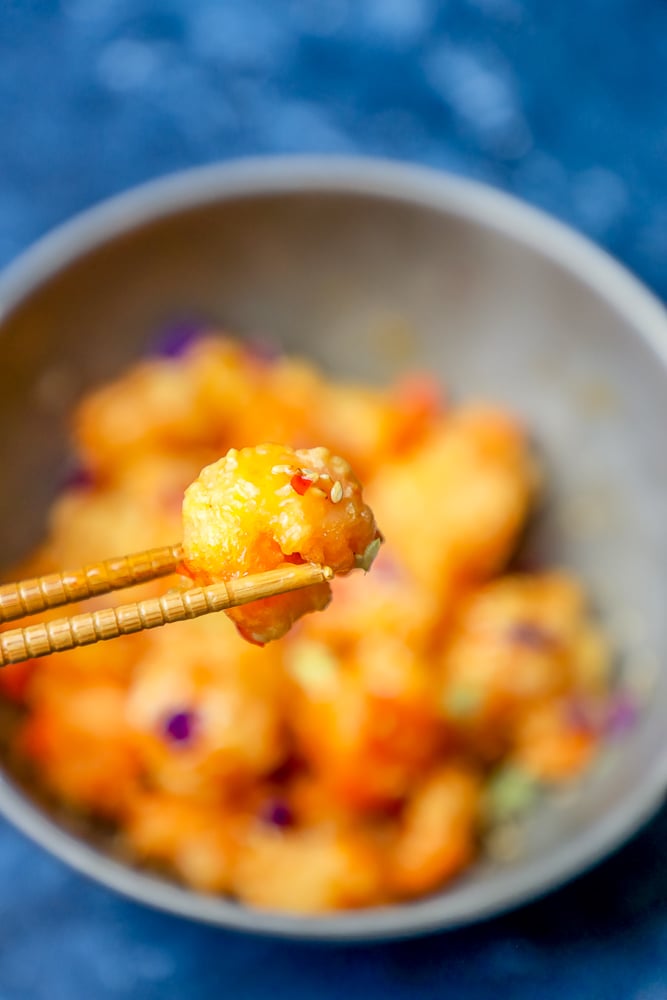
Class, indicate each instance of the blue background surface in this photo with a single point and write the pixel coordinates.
(562, 103)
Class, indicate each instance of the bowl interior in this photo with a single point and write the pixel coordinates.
(369, 282)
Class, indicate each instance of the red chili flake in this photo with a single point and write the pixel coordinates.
(581, 716)
(420, 395)
(300, 484)
(79, 478)
(261, 351)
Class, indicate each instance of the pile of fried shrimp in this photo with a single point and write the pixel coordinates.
(366, 753)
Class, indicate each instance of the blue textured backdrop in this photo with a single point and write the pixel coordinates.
(561, 103)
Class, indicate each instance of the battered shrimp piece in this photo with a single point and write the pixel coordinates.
(452, 510)
(165, 406)
(551, 745)
(371, 425)
(139, 509)
(75, 730)
(367, 723)
(81, 745)
(518, 643)
(388, 602)
(259, 508)
(307, 871)
(205, 708)
(436, 839)
(197, 839)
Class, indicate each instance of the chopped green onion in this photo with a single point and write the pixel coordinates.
(366, 560)
(314, 667)
(461, 702)
(510, 793)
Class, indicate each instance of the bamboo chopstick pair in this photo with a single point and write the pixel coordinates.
(28, 597)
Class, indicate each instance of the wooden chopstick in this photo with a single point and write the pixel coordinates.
(27, 597)
(109, 623)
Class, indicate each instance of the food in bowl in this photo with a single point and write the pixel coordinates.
(367, 755)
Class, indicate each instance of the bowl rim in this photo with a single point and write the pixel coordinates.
(423, 187)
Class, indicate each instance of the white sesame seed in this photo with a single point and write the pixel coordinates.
(286, 470)
(336, 492)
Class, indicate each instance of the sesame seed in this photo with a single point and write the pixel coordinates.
(336, 492)
(286, 470)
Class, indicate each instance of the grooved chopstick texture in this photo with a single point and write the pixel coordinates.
(27, 597)
(109, 623)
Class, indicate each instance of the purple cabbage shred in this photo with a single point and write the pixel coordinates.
(276, 812)
(180, 727)
(622, 715)
(176, 339)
